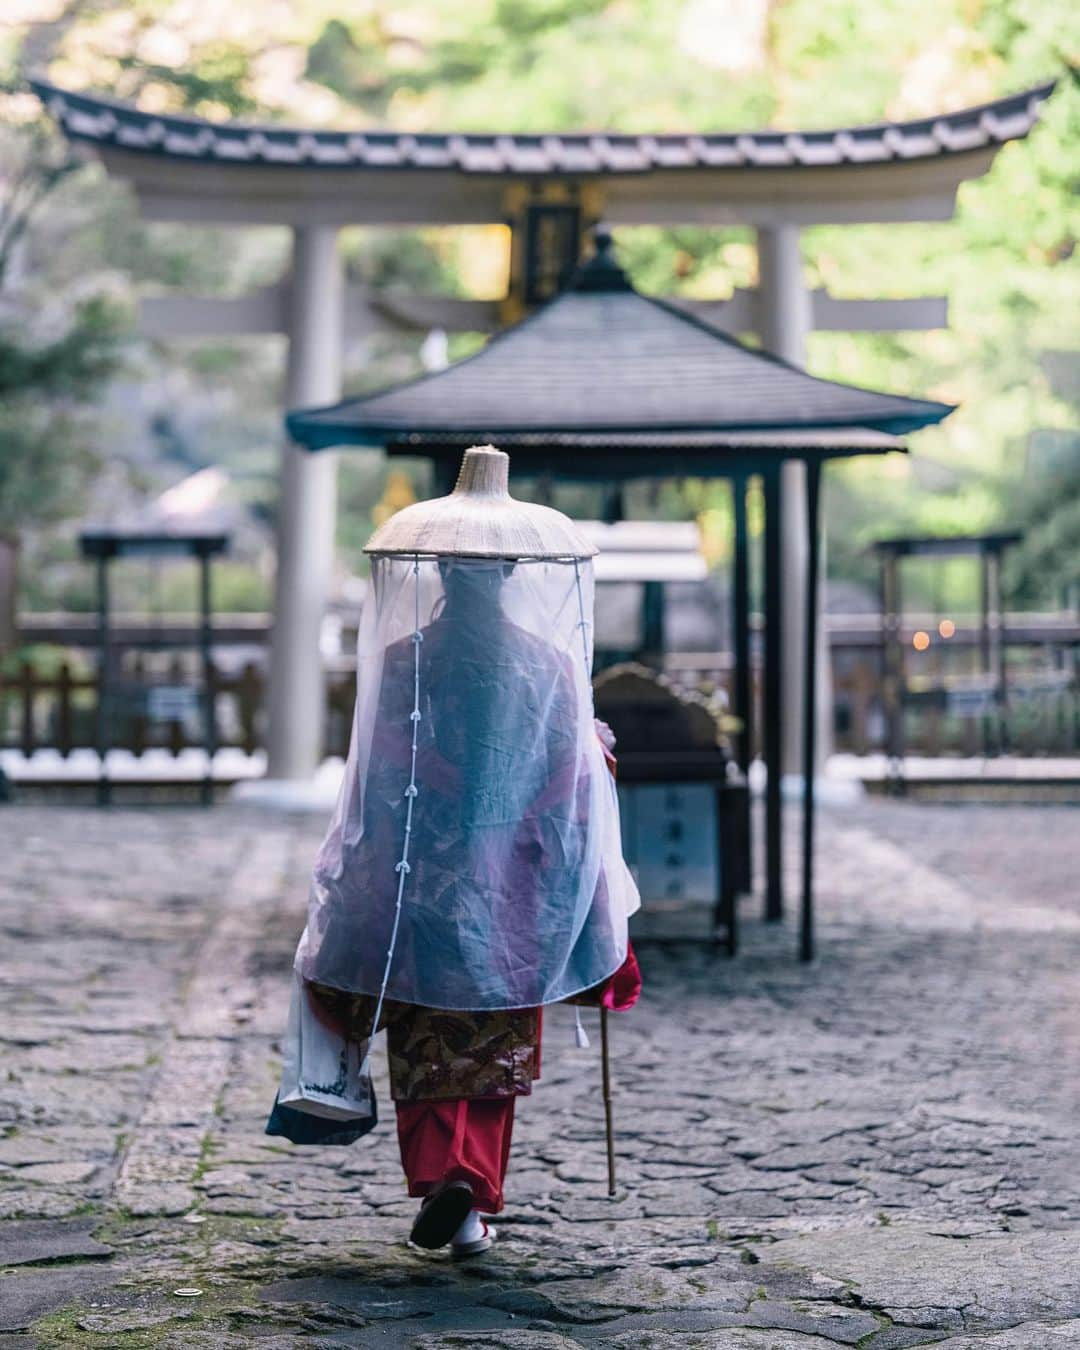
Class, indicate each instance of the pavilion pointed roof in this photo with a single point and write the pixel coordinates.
(606, 369)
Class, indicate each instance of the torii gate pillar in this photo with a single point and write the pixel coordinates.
(306, 512)
(785, 319)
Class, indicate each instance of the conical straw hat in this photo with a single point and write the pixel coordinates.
(480, 519)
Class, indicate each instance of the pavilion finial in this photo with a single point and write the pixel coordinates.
(601, 272)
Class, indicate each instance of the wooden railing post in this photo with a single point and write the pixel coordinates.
(176, 726)
(26, 690)
(64, 739)
(249, 690)
(141, 722)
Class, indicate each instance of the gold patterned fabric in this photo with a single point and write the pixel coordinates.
(435, 1055)
(438, 1055)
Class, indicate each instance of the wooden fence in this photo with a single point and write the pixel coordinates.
(57, 710)
(51, 702)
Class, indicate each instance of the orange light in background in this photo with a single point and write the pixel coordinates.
(920, 641)
(947, 628)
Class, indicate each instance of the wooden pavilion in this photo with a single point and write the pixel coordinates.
(603, 383)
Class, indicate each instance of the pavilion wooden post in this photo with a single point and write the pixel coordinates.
(206, 636)
(104, 788)
(809, 725)
(992, 649)
(743, 675)
(773, 709)
(892, 665)
(1001, 687)
(307, 506)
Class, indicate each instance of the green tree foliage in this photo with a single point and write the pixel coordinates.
(1048, 566)
(69, 368)
(1006, 262)
(217, 80)
(46, 383)
(48, 450)
(35, 163)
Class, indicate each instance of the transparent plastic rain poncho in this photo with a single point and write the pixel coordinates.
(476, 839)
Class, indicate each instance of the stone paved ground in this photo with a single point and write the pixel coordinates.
(878, 1151)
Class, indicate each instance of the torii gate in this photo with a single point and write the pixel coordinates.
(550, 189)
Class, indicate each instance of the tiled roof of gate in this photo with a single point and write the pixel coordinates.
(91, 118)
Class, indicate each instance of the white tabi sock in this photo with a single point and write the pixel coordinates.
(472, 1230)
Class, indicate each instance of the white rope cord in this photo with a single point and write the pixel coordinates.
(402, 867)
(580, 1035)
(583, 623)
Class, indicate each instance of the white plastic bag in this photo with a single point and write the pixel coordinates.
(322, 1073)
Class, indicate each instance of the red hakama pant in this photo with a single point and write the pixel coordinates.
(463, 1140)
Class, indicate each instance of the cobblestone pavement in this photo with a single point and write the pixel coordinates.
(876, 1151)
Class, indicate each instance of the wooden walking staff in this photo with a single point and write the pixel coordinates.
(605, 1059)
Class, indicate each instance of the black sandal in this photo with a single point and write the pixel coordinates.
(441, 1215)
